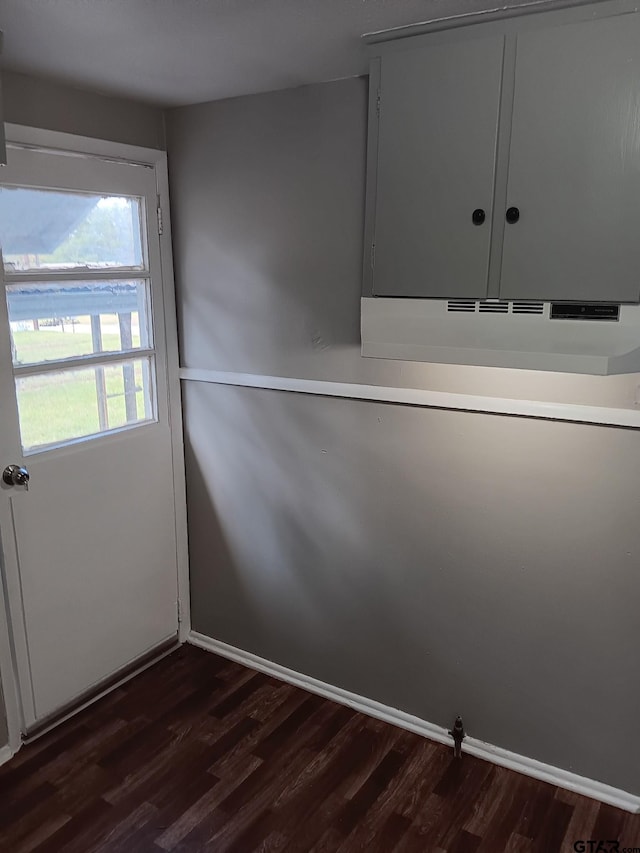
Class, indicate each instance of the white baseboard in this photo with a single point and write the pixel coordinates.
(472, 746)
(5, 754)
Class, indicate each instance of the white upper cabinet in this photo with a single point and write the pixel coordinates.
(436, 159)
(574, 165)
(533, 121)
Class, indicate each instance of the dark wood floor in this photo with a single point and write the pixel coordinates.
(198, 753)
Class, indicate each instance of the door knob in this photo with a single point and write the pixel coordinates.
(16, 475)
(478, 216)
(513, 214)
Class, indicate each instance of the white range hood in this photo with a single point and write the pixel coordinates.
(595, 338)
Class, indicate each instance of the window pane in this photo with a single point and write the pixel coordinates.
(43, 229)
(63, 405)
(53, 321)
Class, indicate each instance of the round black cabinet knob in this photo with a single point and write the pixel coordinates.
(513, 214)
(478, 216)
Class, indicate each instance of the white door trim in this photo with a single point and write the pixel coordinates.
(12, 705)
(175, 399)
(157, 159)
(53, 140)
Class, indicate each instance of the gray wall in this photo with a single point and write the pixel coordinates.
(36, 102)
(441, 562)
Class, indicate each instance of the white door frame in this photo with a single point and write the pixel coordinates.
(85, 146)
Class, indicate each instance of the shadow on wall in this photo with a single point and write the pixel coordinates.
(290, 567)
(268, 195)
(263, 297)
(273, 292)
(398, 553)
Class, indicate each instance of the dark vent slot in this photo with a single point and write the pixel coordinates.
(494, 307)
(461, 305)
(584, 311)
(522, 307)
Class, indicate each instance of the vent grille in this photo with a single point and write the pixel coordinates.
(461, 305)
(497, 307)
(524, 307)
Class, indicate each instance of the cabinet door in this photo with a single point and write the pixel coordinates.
(574, 170)
(436, 161)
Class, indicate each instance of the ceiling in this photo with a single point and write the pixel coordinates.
(172, 52)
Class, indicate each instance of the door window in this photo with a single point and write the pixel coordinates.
(77, 287)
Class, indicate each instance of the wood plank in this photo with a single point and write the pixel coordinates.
(583, 818)
(201, 754)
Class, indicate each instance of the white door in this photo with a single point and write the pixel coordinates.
(89, 548)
